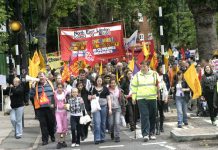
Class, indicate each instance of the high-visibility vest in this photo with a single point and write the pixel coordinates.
(145, 86)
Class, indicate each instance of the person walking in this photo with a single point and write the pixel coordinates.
(61, 115)
(117, 109)
(16, 93)
(182, 97)
(131, 110)
(144, 87)
(99, 117)
(76, 111)
(208, 83)
(43, 94)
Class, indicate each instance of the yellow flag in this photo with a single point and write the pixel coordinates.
(36, 59)
(131, 65)
(154, 61)
(101, 69)
(33, 69)
(42, 62)
(170, 52)
(145, 50)
(193, 82)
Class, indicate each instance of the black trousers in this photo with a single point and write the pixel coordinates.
(212, 110)
(47, 122)
(75, 129)
(132, 113)
(160, 106)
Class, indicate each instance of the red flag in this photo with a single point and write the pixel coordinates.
(140, 57)
(182, 53)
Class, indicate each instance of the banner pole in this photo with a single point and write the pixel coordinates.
(2, 98)
(59, 53)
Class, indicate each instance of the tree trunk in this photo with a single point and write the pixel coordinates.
(205, 23)
(45, 8)
(41, 35)
(206, 34)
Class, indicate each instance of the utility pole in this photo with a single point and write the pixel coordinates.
(162, 38)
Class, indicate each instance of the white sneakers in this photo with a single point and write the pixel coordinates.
(74, 145)
(146, 138)
(152, 137)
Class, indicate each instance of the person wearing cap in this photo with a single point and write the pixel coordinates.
(144, 88)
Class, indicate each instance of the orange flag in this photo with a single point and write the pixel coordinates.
(66, 73)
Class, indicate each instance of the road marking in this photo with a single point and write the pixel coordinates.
(163, 144)
(154, 143)
(37, 141)
(112, 146)
(169, 147)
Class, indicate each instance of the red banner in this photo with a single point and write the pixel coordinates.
(92, 43)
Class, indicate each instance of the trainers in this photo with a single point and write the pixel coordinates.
(64, 144)
(146, 138)
(186, 123)
(213, 123)
(117, 139)
(59, 145)
(77, 145)
(179, 126)
(73, 145)
(52, 138)
(152, 137)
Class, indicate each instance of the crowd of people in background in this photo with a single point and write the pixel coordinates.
(123, 98)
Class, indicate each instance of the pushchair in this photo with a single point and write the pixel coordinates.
(202, 110)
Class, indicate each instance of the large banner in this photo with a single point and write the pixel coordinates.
(95, 42)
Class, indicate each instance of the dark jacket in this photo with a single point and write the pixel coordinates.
(17, 96)
(84, 94)
(215, 97)
(186, 93)
(208, 83)
(125, 85)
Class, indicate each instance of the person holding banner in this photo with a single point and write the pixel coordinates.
(208, 84)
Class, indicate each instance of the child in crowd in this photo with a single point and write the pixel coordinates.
(61, 115)
(76, 111)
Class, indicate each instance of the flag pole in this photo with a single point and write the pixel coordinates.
(59, 53)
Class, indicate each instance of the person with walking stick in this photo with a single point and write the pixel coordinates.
(144, 88)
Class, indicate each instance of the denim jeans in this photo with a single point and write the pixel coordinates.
(16, 120)
(181, 106)
(147, 110)
(99, 120)
(115, 122)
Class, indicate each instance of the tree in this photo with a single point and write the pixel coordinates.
(204, 12)
(45, 9)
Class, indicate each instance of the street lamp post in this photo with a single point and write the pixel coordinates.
(161, 39)
(15, 27)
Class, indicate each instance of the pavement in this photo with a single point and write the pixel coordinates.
(31, 132)
(199, 134)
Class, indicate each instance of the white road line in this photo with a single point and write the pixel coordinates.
(163, 144)
(169, 147)
(112, 146)
(158, 143)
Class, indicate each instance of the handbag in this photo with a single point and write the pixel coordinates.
(85, 119)
(7, 104)
(95, 106)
